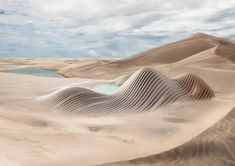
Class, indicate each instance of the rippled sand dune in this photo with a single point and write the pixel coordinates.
(146, 90)
(174, 106)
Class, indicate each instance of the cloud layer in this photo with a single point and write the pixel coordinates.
(80, 28)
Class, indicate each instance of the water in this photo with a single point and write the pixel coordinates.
(36, 72)
(12, 64)
(106, 88)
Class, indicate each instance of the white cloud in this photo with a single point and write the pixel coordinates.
(106, 27)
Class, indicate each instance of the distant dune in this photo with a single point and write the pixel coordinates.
(198, 48)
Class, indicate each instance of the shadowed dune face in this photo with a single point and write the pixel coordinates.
(144, 91)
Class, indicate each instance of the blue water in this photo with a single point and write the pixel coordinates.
(106, 88)
(36, 72)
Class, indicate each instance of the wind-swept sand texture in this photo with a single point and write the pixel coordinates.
(215, 146)
(183, 116)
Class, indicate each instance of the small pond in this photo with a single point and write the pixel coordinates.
(36, 72)
(106, 88)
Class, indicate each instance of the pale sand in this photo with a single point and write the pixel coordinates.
(195, 133)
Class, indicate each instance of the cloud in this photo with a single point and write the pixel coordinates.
(222, 15)
(2, 12)
(106, 27)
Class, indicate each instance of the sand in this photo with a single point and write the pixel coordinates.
(181, 133)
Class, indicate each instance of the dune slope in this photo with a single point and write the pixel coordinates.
(215, 146)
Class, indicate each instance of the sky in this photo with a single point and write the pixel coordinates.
(106, 28)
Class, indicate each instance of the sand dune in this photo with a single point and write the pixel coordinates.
(187, 111)
(216, 49)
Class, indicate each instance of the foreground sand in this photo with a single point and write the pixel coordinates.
(194, 133)
(32, 135)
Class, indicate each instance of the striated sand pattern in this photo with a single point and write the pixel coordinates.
(145, 90)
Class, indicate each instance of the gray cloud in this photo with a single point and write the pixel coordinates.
(2, 12)
(222, 15)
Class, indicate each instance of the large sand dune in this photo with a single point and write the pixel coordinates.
(183, 116)
(189, 50)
